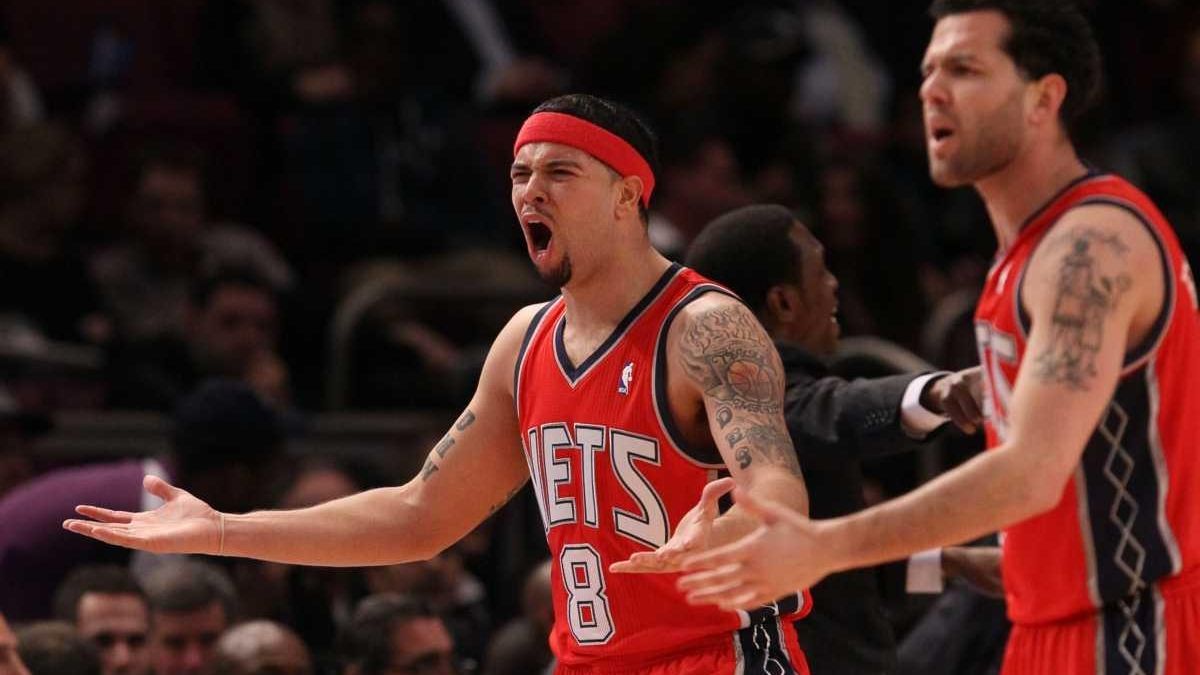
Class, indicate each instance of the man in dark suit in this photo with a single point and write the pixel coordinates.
(766, 256)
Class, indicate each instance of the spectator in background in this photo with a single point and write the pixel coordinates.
(226, 443)
(392, 633)
(19, 429)
(313, 601)
(262, 648)
(20, 102)
(447, 588)
(701, 179)
(1160, 157)
(875, 250)
(46, 292)
(191, 605)
(168, 244)
(54, 648)
(522, 646)
(231, 322)
(108, 607)
(10, 658)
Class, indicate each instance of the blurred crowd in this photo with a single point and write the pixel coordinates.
(241, 213)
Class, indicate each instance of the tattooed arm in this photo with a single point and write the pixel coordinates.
(1087, 304)
(725, 367)
(473, 471)
(730, 362)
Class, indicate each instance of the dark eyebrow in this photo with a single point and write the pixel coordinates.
(959, 58)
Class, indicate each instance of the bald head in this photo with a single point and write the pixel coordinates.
(262, 647)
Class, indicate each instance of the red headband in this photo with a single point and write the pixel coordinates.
(598, 142)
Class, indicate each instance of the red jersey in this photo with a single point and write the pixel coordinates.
(613, 477)
(1131, 514)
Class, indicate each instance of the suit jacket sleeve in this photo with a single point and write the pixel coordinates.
(856, 419)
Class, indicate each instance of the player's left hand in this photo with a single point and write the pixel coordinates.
(786, 554)
(691, 535)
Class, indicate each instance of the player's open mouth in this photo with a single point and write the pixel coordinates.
(539, 235)
(940, 133)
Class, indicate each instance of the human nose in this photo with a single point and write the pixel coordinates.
(533, 190)
(933, 90)
(194, 657)
(120, 655)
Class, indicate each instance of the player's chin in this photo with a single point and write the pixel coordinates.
(944, 176)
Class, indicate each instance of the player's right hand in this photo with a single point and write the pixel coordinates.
(691, 535)
(183, 524)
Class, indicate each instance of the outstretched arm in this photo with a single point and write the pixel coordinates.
(473, 471)
(1073, 361)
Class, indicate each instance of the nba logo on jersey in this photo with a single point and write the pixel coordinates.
(626, 379)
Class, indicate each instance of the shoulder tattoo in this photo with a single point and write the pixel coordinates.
(1086, 291)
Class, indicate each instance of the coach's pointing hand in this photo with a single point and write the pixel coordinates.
(183, 524)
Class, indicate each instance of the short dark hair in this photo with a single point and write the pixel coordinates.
(748, 250)
(1045, 36)
(206, 286)
(55, 647)
(106, 579)
(366, 640)
(171, 155)
(612, 117)
(188, 585)
(224, 421)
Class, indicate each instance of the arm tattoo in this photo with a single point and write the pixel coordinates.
(507, 498)
(1086, 294)
(724, 416)
(443, 446)
(429, 470)
(743, 457)
(728, 355)
(466, 420)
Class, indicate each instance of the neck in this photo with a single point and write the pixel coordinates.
(1017, 191)
(606, 296)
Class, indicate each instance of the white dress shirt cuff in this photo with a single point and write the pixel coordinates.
(925, 572)
(916, 419)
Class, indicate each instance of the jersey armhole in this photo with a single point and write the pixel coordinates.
(711, 458)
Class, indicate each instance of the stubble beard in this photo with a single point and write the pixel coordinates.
(559, 275)
(995, 144)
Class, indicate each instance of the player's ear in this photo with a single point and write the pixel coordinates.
(783, 304)
(1047, 96)
(629, 194)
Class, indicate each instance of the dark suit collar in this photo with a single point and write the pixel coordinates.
(796, 357)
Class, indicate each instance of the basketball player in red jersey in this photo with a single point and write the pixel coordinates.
(609, 397)
(1089, 337)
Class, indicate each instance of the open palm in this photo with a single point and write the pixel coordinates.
(691, 535)
(183, 524)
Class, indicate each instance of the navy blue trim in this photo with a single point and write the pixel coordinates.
(711, 456)
(763, 649)
(1092, 172)
(1122, 538)
(533, 325)
(1129, 628)
(1164, 316)
(574, 373)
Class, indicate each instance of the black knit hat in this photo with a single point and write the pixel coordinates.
(225, 420)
